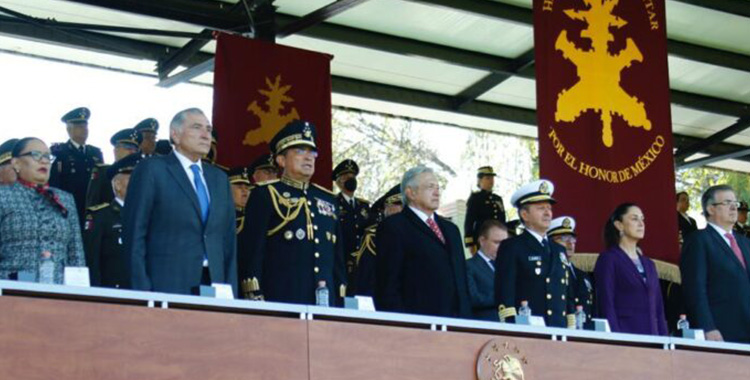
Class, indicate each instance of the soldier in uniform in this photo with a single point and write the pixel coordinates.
(75, 160)
(482, 205)
(364, 257)
(562, 230)
(125, 143)
(294, 241)
(353, 211)
(740, 227)
(163, 148)
(263, 169)
(147, 130)
(7, 174)
(108, 265)
(529, 266)
(240, 185)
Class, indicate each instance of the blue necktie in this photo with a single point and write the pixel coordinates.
(201, 190)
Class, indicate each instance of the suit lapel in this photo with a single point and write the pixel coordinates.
(212, 185)
(179, 175)
(719, 240)
(422, 226)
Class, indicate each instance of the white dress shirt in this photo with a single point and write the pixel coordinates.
(486, 259)
(722, 232)
(186, 163)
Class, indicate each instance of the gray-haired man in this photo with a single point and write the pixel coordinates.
(420, 264)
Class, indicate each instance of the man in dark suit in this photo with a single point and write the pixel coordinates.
(562, 230)
(74, 160)
(714, 266)
(292, 244)
(353, 212)
(529, 266)
(179, 221)
(686, 224)
(482, 205)
(480, 270)
(124, 142)
(108, 264)
(420, 266)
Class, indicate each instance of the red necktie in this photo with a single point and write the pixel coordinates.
(434, 227)
(736, 249)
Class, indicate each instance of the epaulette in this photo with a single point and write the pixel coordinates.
(98, 207)
(324, 189)
(362, 200)
(264, 183)
(56, 148)
(100, 165)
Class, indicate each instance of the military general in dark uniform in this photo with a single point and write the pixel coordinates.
(108, 264)
(293, 241)
(8, 176)
(364, 258)
(125, 142)
(562, 230)
(481, 206)
(263, 169)
(147, 130)
(239, 182)
(529, 266)
(353, 211)
(75, 160)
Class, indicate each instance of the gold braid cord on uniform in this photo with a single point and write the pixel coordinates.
(368, 244)
(293, 209)
(506, 312)
(571, 318)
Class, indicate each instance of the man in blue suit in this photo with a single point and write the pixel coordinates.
(179, 222)
(714, 266)
(480, 270)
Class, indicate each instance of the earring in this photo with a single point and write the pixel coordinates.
(622, 233)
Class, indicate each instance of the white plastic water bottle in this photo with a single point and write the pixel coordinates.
(580, 317)
(524, 310)
(682, 323)
(46, 269)
(321, 294)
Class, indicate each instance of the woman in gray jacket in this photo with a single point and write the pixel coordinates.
(37, 221)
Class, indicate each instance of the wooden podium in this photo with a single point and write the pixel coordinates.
(57, 332)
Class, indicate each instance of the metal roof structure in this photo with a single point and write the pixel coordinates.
(464, 62)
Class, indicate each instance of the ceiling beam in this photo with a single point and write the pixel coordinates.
(701, 145)
(318, 16)
(341, 85)
(525, 16)
(492, 80)
(178, 57)
(735, 7)
(741, 153)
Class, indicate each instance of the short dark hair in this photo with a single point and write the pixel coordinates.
(682, 192)
(489, 224)
(709, 196)
(611, 234)
(21, 145)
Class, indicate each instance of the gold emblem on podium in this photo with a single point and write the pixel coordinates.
(500, 359)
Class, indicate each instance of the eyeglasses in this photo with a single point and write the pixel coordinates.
(38, 156)
(730, 204)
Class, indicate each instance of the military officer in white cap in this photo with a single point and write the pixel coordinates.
(529, 266)
(562, 230)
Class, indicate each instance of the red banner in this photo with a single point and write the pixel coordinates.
(605, 131)
(259, 87)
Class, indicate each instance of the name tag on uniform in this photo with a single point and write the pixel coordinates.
(535, 258)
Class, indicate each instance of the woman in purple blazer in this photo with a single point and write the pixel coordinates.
(627, 285)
